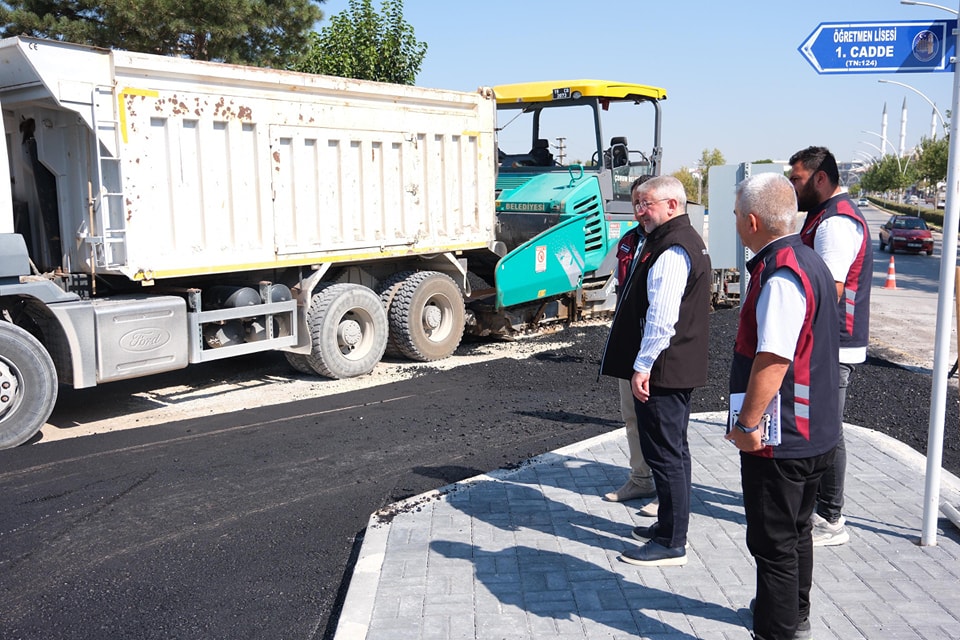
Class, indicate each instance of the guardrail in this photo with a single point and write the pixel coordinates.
(930, 214)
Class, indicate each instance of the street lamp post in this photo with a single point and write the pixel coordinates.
(893, 150)
(929, 101)
(870, 144)
(928, 4)
(941, 352)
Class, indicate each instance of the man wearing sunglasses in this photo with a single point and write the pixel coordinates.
(658, 341)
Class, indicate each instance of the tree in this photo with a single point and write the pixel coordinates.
(708, 159)
(360, 43)
(267, 33)
(691, 183)
(695, 180)
(932, 163)
(889, 174)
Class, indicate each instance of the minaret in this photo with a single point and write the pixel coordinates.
(933, 123)
(903, 128)
(883, 131)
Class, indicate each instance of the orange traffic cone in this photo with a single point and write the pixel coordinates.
(891, 282)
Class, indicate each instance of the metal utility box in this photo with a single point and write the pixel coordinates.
(139, 335)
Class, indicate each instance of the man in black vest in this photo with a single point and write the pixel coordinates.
(658, 341)
(787, 344)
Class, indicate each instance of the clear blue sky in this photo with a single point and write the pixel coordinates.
(734, 78)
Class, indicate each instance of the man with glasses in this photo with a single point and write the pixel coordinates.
(658, 341)
(639, 483)
(836, 230)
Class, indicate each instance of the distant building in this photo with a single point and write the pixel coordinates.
(850, 172)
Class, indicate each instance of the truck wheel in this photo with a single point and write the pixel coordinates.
(388, 290)
(348, 331)
(299, 363)
(28, 385)
(426, 316)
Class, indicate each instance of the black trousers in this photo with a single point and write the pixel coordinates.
(778, 497)
(662, 421)
(830, 495)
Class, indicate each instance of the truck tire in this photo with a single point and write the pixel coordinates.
(348, 331)
(299, 363)
(426, 316)
(388, 290)
(28, 385)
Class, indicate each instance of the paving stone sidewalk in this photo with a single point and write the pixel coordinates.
(533, 553)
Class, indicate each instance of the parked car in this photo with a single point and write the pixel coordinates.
(906, 233)
(913, 200)
(862, 202)
(942, 203)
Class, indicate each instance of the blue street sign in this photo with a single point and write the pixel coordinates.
(887, 47)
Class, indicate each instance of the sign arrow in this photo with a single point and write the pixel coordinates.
(887, 47)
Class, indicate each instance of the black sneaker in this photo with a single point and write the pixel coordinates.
(655, 555)
(644, 533)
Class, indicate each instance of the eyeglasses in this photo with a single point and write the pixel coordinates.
(643, 205)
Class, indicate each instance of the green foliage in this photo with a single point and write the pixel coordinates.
(690, 183)
(361, 43)
(932, 161)
(889, 174)
(269, 33)
(708, 159)
(695, 180)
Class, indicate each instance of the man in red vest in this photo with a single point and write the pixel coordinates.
(836, 229)
(785, 365)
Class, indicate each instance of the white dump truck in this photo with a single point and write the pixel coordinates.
(162, 212)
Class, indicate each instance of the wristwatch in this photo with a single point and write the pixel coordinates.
(745, 429)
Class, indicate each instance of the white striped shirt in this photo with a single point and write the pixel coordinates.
(666, 281)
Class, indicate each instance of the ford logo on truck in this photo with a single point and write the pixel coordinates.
(144, 340)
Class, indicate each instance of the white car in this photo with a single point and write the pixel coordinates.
(863, 202)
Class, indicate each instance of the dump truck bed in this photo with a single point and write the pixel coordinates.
(166, 167)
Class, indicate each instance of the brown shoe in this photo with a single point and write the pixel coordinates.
(650, 510)
(631, 491)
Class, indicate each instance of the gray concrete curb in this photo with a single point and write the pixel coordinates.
(888, 489)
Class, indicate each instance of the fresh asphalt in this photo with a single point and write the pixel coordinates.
(242, 524)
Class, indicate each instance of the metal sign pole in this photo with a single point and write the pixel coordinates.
(941, 353)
